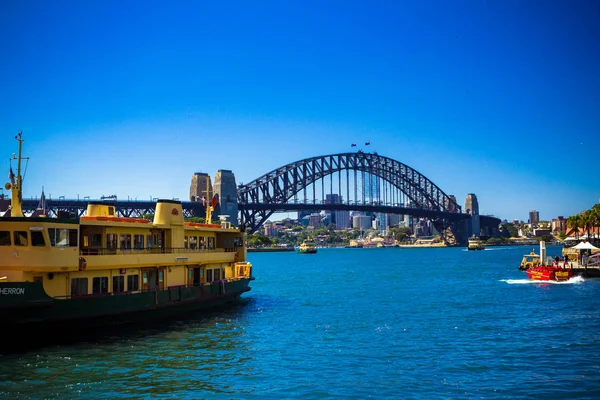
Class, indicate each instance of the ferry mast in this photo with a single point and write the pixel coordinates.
(16, 209)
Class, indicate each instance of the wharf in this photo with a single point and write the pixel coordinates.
(582, 270)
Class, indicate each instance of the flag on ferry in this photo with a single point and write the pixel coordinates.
(11, 176)
(214, 202)
(41, 208)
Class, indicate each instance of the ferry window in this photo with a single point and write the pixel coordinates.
(149, 241)
(111, 240)
(37, 239)
(96, 240)
(209, 275)
(62, 237)
(100, 285)
(4, 238)
(211, 243)
(217, 275)
(193, 242)
(20, 238)
(125, 241)
(73, 237)
(79, 286)
(161, 280)
(118, 284)
(185, 242)
(111, 211)
(138, 241)
(202, 243)
(133, 283)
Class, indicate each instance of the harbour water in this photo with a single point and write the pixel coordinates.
(389, 323)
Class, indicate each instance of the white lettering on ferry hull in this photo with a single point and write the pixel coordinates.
(14, 290)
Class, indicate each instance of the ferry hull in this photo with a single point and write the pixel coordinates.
(31, 309)
(549, 274)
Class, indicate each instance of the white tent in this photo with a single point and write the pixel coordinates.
(585, 246)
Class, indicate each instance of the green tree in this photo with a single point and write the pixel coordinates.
(574, 222)
(401, 233)
(511, 229)
(257, 240)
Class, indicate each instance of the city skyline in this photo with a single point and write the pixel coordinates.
(498, 99)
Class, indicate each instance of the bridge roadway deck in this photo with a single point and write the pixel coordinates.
(417, 212)
(137, 208)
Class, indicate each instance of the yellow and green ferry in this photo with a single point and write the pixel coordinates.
(101, 269)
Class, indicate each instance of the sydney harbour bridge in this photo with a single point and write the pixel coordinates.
(355, 181)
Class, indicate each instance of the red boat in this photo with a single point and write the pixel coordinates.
(549, 273)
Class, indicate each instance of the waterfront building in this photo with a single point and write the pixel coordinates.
(314, 220)
(361, 222)
(383, 223)
(559, 225)
(534, 217)
(303, 213)
(393, 219)
(226, 189)
(540, 232)
(271, 230)
(341, 218)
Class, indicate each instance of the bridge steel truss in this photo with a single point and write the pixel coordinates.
(277, 190)
(123, 208)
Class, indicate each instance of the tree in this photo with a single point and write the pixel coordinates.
(511, 229)
(574, 222)
(401, 233)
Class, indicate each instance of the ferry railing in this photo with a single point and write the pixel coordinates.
(154, 289)
(103, 251)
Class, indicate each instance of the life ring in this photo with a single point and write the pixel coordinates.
(82, 264)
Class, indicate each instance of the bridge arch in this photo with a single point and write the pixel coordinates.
(272, 192)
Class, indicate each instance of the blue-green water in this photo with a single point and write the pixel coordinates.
(349, 324)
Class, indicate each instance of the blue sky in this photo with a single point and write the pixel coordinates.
(496, 98)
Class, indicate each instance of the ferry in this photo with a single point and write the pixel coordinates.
(100, 269)
(540, 270)
(551, 272)
(475, 244)
(307, 247)
(529, 261)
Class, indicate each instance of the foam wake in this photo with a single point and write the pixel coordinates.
(574, 280)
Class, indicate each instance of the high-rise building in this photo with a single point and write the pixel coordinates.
(382, 218)
(332, 199)
(314, 220)
(361, 222)
(559, 225)
(341, 218)
(534, 217)
(226, 189)
(393, 219)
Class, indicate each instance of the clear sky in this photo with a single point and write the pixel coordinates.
(497, 98)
